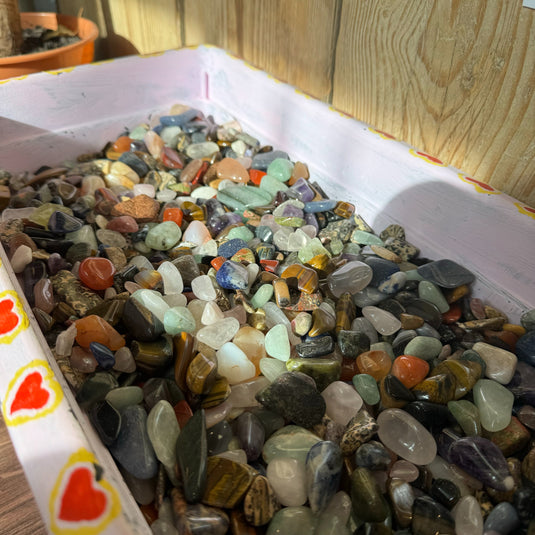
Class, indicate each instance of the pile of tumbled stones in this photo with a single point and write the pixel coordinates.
(256, 358)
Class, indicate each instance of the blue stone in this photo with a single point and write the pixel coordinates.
(264, 233)
(133, 448)
(103, 355)
(231, 247)
(323, 471)
(135, 162)
(60, 223)
(179, 120)
(232, 276)
(382, 269)
(319, 206)
(446, 273)
(262, 160)
(502, 519)
(525, 348)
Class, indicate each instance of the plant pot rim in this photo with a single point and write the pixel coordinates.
(32, 19)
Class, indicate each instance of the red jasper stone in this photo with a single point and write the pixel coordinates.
(256, 176)
(96, 273)
(123, 224)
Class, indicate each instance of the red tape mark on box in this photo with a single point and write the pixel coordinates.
(480, 187)
(32, 393)
(427, 157)
(12, 316)
(525, 210)
(82, 502)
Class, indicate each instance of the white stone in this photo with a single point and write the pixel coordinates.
(383, 321)
(468, 517)
(171, 277)
(342, 402)
(233, 364)
(145, 189)
(197, 233)
(288, 480)
(65, 341)
(243, 394)
(219, 333)
(175, 300)
(277, 343)
(21, 258)
(501, 364)
(203, 288)
(153, 300)
(271, 368)
(211, 313)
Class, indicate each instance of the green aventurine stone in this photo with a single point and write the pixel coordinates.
(292, 520)
(272, 184)
(163, 430)
(42, 213)
(366, 497)
(281, 169)
(262, 295)
(495, 404)
(323, 370)
(242, 233)
(243, 197)
(467, 416)
(290, 441)
(312, 249)
(424, 347)
(366, 386)
(164, 236)
(366, 238)
(191, 454)
(432, 293)
(177, 320)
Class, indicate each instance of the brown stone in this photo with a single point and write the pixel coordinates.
(201, 374)
(260, 503)
(142, 208)
(528, 466)
(227, 482)
(512, 439)
(410, 321)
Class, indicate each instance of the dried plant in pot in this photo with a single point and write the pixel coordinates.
(13, 63)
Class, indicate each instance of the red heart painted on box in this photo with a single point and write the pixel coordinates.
(30, 394)
(8, 320)
(81, 501)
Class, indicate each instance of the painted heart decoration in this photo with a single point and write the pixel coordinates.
(32, 393)
(12, 316)
(81, 500)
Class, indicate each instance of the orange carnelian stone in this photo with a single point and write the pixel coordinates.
(217, 262)
(173, 214)
(410, 370)
(374, 363)
(256, 176)
(122, 144)
(95, 329)
(96, 272)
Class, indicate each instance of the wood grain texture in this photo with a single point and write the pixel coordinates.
(294, 41)
(18, 511)
(148, 25)
(452, 77)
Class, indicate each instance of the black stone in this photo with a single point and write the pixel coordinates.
(141, 322)
(218, 437)
(353, 343)
(396, 389)
(426, 310)
(430, 517)
(318, 347)
(95, 389)
(106, 419)
(294, 399)
(446, 273)
(191, 453)
(445, 492)
(433, 416)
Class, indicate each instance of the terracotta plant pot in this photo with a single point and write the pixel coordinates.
(66, 56)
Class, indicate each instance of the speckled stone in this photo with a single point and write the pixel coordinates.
(260, 503)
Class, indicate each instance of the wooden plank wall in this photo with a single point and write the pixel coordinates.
(455, 78)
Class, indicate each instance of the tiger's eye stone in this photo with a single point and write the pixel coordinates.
(227, 482)
(306, 278)
(410, 370)
(95, 329)
(437, 389)
(466, 374)
(201, 374)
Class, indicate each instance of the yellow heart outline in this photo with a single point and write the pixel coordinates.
(86, 459)
(18, 310)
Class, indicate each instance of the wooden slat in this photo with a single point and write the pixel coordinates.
(18, 511)
(452, 77)
(292, 40)
(146, 27)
